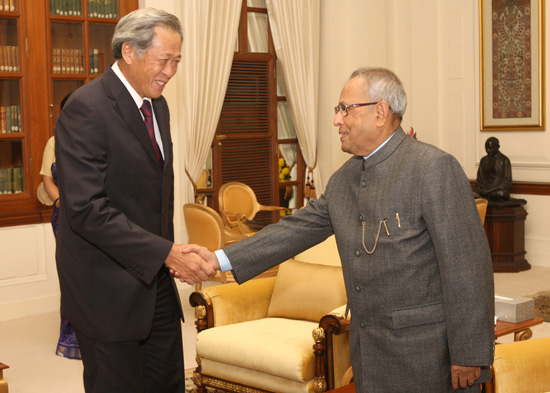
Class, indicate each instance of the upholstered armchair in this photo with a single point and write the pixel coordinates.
(276, 334)
(521, 367)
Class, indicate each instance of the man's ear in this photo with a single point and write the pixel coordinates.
(128, 53)
(382, 111)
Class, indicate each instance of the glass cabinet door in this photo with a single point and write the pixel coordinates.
(67, 48)
(9, 50)
(101, 55)
(11, 167)
(10, 107)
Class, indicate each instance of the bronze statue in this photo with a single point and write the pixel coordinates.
(494, 177)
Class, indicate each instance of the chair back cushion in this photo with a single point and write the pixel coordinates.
(325, 253)
(307, 291)
(204, 226)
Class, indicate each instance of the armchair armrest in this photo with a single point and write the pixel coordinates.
(232, 303)
(328, 360)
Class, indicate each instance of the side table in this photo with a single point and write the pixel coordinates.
(522, 330)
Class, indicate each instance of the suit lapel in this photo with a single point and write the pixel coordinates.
(126, 107)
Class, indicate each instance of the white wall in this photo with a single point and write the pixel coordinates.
(432, 45)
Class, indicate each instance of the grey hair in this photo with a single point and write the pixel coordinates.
(381, 84)
(137, 29)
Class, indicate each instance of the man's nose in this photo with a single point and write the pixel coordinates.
(338, 119)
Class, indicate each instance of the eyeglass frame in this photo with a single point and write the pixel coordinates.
(344, 108)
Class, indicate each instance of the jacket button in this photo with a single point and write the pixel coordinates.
(358, 288)
(363, 324)
(363, 183)
(361, 217)
(357, 253)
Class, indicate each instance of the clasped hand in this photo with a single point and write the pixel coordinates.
(191, 264)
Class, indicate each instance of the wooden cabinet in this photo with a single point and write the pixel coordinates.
(47, 49)
(505, 228)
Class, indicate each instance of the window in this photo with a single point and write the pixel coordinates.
(255, 142)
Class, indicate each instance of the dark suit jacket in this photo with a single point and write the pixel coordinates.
(424, 299)
(116, 210)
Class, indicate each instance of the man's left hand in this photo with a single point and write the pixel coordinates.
(464, 376)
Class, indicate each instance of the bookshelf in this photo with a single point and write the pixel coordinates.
(47, 49)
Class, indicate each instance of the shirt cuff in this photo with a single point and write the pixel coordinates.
(223, 260)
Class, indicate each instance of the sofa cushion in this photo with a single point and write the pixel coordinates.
(286, 347)
(307, 291)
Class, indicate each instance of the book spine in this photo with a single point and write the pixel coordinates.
(15, 56)
(19, 126)
(3, 180)
(96, 61)
(17, 179)
(9, 60)
(8, 119)
(3, 125)
(2, 57)
(14, 117)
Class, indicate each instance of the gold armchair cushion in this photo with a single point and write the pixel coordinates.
(254, 346)
(295, 297)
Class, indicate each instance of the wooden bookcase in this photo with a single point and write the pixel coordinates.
(72, 36)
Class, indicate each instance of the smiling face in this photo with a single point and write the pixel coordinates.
(358, 131)
(150, 71)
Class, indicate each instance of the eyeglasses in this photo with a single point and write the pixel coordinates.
(344, 108)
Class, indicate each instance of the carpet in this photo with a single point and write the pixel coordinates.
(542, 305)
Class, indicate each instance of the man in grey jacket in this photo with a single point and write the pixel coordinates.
(415, 257)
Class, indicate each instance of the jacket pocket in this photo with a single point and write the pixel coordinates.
(420, 315)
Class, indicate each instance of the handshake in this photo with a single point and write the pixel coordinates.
(191, 264)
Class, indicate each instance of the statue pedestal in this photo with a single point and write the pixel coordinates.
(505, 228)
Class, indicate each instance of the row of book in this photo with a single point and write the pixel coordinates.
(10, 119)
(103, 9)
(7, 5)
(71, 61)
(11, 180)
(9, 58)
(96, 8)
(66, 7)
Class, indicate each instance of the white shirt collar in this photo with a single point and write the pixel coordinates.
(381, 146)
(137, 98)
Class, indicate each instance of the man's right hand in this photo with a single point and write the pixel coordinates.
(188, 267)
(208, 256)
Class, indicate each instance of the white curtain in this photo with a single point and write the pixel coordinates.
(209, 36)
(295, 28)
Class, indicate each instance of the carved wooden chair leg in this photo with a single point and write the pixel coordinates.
(319, 348)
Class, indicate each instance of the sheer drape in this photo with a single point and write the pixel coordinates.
(210, 32)
(295, 29)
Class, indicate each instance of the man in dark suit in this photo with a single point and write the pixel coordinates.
(116, 238)
(414, 253)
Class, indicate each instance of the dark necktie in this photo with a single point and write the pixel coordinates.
(148, 115)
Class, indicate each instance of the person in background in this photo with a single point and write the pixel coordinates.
(415, 257)
(116, 238)
(67, 345)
